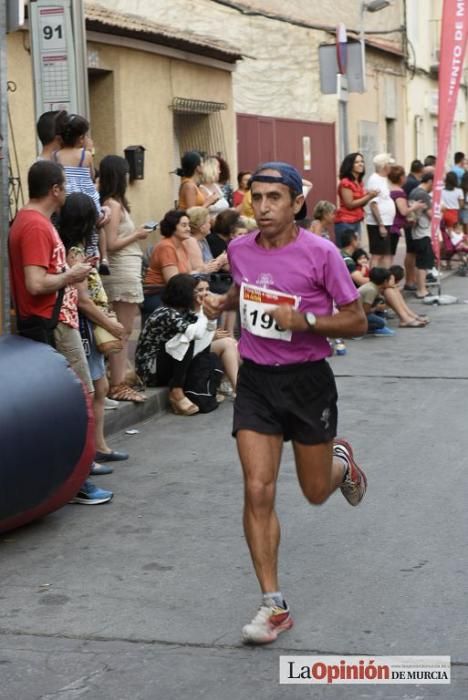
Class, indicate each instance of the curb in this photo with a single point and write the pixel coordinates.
(127, 413)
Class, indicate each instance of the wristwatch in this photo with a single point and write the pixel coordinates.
(310, 319)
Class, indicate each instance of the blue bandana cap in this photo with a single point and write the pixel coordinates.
(289, 176)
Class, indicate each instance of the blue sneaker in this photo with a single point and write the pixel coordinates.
(340, 347)
(91, 495)
(380, 332)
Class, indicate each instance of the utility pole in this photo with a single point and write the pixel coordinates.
(4, 222)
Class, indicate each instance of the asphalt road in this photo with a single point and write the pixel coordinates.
(144, 598)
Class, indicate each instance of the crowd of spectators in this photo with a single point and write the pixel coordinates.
(109, 281)
(394, 206)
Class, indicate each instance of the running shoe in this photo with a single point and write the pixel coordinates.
(267, 624)
(354, 485)
(91, 495)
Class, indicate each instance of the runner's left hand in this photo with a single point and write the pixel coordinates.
(288, 319)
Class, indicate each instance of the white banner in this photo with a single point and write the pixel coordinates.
(354, 670)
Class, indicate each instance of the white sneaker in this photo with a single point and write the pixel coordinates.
(110, 404)
(267, 624)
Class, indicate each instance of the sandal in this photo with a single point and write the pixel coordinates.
(413, 324)
(123, 392)
(183, 407)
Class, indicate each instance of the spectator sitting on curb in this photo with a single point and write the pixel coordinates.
(395, 299)
(199, 252)
(350, 242)
(165, 353)
(392, 295)
(362, 260)
(379, 278)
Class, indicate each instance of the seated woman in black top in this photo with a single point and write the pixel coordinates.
(165, 353)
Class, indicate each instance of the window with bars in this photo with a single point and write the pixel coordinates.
(198, 125)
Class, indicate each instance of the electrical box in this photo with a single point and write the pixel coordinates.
(135, 156)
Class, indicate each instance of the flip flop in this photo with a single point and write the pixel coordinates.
(413, 324)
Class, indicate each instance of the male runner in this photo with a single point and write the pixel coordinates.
(285, 282)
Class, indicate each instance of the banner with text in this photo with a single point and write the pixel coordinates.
(453, 40)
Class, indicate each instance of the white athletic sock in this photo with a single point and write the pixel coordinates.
(344, 461)
(274, 599)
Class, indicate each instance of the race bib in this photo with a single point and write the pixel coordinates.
(254, 305)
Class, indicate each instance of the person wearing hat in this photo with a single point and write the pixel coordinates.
(286, 281)
(380, 212)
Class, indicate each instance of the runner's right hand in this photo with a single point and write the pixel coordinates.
(213, 305)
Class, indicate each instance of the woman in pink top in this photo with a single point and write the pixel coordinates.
(351, 195)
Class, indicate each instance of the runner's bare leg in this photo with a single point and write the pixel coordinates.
(318, 473)
(260, 457)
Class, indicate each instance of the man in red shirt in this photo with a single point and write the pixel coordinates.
(38, 271)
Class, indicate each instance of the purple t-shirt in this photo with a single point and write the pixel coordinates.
(399, 221)
(309, 267)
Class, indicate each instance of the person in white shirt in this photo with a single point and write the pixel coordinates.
(452, 200)
(380, 212)
(210, 186)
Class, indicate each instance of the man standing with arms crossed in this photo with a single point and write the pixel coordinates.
(285, 282)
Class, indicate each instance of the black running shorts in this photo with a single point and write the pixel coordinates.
(296, 401)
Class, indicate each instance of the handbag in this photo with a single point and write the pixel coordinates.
(41, 329)
(106, 343)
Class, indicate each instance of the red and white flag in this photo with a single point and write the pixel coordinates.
(453, 41)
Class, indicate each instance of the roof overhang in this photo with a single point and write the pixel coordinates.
(101, 20)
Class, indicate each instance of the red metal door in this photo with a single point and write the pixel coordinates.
(309, 146)
(266, 137)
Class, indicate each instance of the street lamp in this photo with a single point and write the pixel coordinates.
(372, 6)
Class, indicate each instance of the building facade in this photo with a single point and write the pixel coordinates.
(148, 86)
(278, 78)
(423, 22)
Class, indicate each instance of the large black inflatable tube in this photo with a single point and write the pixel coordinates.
(46, 431)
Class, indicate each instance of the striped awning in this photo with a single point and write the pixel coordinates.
(183, 105)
